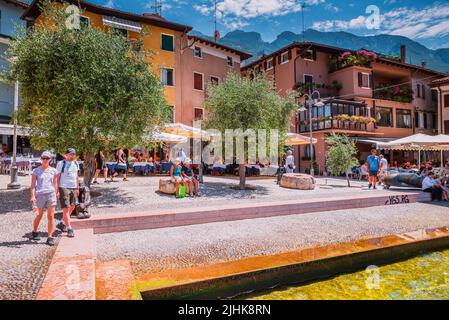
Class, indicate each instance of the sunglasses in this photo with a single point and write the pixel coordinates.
(45, 158)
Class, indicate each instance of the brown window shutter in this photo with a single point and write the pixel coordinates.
(289, 54)
(423, 91)
(314, 54)
(279, 59)
(274, 61)
(360, 79)
(371, 81)
(198, 81)
(446, 101)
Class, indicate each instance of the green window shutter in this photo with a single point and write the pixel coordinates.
(167, 43)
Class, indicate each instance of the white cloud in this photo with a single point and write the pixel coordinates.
(109, 4)
(428, 22)
(236, 13)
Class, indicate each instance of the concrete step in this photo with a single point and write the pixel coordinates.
(192, 216)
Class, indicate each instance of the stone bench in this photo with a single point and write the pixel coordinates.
(298, 181)
(167, 186)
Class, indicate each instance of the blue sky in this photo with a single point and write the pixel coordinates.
(424, 21)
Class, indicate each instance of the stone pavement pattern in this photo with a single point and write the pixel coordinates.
(183, 247)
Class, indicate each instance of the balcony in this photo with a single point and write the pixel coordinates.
(361, 58)
(340, 122)
(390, 92)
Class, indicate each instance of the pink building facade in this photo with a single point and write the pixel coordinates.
(373, 101)
(201, 62)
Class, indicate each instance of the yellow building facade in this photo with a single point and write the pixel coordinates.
(162, 38)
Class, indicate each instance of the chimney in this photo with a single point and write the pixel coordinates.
(403, 53)
(424, 64)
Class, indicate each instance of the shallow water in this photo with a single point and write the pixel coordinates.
(422, 278)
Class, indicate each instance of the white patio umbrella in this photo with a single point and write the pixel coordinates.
(294, 139)
(185, 131)
(420, 142)
(159, 137)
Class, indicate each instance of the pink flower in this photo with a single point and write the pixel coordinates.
(396, 90)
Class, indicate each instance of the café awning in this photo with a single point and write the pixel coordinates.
(8, 130)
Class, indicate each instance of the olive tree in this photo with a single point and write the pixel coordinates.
(241, 103)
(341, 154)
(84, 88)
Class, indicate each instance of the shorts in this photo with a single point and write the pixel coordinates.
(121, 168)
(373, 173)
(67, 197)
(177, 179)
(46, 201)
(101, 165)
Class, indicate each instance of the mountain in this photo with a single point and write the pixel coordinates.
(253, 43)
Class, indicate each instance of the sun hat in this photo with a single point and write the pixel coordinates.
(187, 160)
(46, 154)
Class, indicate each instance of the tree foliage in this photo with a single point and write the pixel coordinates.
(243, 103)
(83, 88)
(342, 154)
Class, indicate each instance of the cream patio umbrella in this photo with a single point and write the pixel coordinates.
(294, 139)
(420, 142)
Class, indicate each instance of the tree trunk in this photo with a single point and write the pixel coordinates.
(242, 175)
(347, 179)
(89, 168)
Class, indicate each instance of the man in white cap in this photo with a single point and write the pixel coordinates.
(189, 178)
(68, 182)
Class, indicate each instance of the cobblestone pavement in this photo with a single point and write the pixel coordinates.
(171, 248)
(23, 264)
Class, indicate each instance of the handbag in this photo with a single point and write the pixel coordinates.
(182, 191)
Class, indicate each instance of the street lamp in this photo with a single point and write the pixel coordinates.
(14, 184)
(310, 104)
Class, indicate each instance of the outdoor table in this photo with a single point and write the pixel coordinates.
(143, 167)
(165, 167)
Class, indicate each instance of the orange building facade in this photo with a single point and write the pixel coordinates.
(173, 53)
(375, 101)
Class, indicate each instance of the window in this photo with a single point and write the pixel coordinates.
(284, 57)
(365, 80)
(417, 120)
(446, 126)
(270, 64)
(84, 22)
(384, 117)
(434, 122)
(446, 101)
(168, 78)
(425, 121)
(404, 119)
(230, 62)
(214, 80)
(308, 152)
(198, 52)
(310, 55)
(308, 78)
(120, 32)
(198, 114)
(168, 43)
(418, 90)
(198, 81)
(171, 114)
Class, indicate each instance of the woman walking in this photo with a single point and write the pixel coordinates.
(44, 190)
(100, 163)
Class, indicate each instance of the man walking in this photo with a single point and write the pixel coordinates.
(68, 182)
(383, 168)
(373, 167)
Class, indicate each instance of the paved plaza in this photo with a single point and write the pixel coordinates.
(23, 264)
